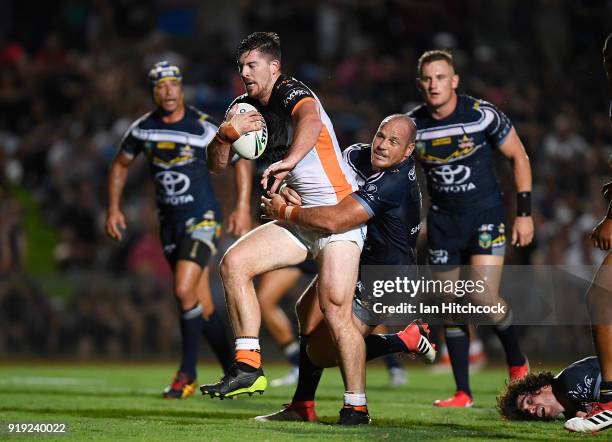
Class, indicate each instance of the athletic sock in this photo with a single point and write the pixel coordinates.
(248, 352)
(506, 332)
(382, 345)
(309, 377)
(191, 324)
(458, 344)
(392, 361)
(605, 391)
(215, 332)
(355, 400)
(292, 353)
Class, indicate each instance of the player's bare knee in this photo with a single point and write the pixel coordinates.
(337, 317)
(230, 263)
(186, 295)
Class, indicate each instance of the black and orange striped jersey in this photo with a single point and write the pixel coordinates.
(321, 177)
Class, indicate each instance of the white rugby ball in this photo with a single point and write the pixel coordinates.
(251, 144)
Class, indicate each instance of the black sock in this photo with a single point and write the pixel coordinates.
(506, 332)
(458, 344)
(246, 367)
(191, 324)
(292, 353)
(215, 332)
(392, 361)
(382, 345)
(605, 391)
(309, 377)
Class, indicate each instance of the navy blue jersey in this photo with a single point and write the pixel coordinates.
(177, 158)
(393, 200)
(578, 385)
(457, 154)
(287, 92)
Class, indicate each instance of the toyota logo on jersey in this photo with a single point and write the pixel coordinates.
(174, 184)
(450, 174)
(452, 178)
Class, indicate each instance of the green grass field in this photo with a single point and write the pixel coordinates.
(121, 402)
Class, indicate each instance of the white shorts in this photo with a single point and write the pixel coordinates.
(313, 242)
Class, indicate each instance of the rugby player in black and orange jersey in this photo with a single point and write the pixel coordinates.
(466, 224)
(173, 137)
(599, 300)
(308, 158)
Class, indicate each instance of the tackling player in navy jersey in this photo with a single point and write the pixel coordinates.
(544, 396)
(466, 224)
(389, 200)
(599, 301)
(174, 137)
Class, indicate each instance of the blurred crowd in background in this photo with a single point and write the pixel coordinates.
(73, 78)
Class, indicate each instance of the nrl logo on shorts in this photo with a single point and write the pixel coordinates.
(484, 240)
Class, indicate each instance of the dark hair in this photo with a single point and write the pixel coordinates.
(530, 384)
(264, 42)
(435, 55)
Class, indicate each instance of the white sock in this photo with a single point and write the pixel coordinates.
(476, 347)
(355, 399)
(291, 349)
(244, 343)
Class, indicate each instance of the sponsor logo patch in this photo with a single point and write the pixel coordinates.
(441, 141)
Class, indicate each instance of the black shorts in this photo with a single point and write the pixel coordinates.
(190, 238)
(454, 237)
(308, 267)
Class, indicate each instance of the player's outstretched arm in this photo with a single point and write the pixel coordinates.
(239, 221)
(116, 182)
(345, 215)
(308, 126)
(512, 148)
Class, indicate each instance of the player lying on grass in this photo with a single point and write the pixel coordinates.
(544, 396)
(389, 201)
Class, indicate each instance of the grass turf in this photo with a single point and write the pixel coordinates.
(123, 402)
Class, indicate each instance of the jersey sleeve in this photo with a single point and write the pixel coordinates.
(210, 129)
(500, 125)
(291, 92)
(378, 195)
(129, 144)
